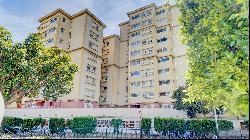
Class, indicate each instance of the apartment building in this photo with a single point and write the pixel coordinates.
(156, 58)
(114, 73)
(81, 35)
(139, 69)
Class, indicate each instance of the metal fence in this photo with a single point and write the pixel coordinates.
(110, 133)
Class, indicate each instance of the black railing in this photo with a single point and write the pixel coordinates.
(110, 133)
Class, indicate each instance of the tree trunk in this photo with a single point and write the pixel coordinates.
(2, 107)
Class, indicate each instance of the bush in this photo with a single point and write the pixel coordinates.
(10, 122)
(56, 125)
(116, 123)
(169, 124)
(146, 125)
(30, 123)
(246, 123)
(225, 125)
(198, 126)
(82, 125)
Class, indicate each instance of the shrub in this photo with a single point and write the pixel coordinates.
(56, 125)
(10, 122)
(198, 126)
(225, 125)
(116, 123)
(146, 125)
(83, 125)
(208, 126)
(30, 123)
(169, 124)
(246, 123)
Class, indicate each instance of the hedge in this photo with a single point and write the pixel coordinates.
(56, 125)
(169, 124)
(116, 123)
(10, 122)
(146, 125)
(30, 123)
(82, 125)
(198, 126)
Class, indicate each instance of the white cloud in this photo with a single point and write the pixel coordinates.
(110, 12)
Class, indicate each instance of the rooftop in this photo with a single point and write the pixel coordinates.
(59, 10)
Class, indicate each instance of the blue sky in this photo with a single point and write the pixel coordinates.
(20, 17)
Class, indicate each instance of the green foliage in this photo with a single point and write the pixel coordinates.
(198, 126)
(28, 69)
(83, 125)
(10, 122)
(225, 125)
(146, 125)
(30, 123)
(246, 122)
(191, 108)
(116, 123)
(217, 36)
(56, 125)
(169, 124)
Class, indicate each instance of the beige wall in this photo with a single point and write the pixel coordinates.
(123, 113)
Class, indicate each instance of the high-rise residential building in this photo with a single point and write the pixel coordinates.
(81, 35)
(114, 88)
(156, 58)
(139, 69)
(110, 71)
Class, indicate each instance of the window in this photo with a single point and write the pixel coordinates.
(62, 30)
(50, 41)
(53, 20)
(90, 80)
(159, 30)
(135, 43)
(162, 50)
(135, 26)
(135, 34)
(161, 40)
(163, 82)
(160, 12)
(135, 84)
(135, 73)
(146, 22)
(60, 41)
(135, 62)
(147, 72)
(134, 95)
(91, 68)
(162, 71)
(163, 59)
(145, 14)
(162, 93)
(69, 34)
(51, 30)
(94, 36)
(135, 53)
(63, 20)
(135, 16)
(93, 46)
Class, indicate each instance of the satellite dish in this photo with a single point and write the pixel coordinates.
(2, 107)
